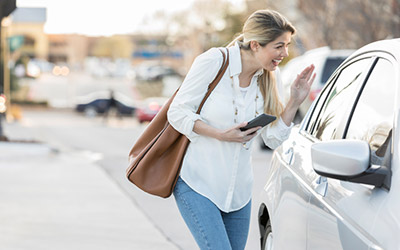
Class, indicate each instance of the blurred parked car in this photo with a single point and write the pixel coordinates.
(335, 183)
(325, 61)
(149, 108)
(154, 72)
(98, 103)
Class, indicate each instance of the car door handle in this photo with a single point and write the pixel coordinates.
(321, 185)
(288, 156)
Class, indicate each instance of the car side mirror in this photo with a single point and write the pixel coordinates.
(347, 160)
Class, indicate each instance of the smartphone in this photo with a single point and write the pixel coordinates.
(261, 120)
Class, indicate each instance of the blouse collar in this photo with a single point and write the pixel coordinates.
(235, 61)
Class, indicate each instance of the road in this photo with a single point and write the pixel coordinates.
(109, 142)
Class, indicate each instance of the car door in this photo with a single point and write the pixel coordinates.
(297, 177)
(341, 214)
(289, 197)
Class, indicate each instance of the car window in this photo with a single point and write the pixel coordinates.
(319, 104)
(337, 100)
(330, 65)
(372, 119)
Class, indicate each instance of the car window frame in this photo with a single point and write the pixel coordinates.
(378, 55)
(374, 57)
(381, 55)
(308, 132)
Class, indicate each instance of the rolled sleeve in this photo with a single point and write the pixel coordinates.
(274, 135)
(183, 121)
(182, 111)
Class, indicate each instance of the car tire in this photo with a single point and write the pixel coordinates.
(267, 238)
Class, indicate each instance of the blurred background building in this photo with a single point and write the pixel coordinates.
(26, 33)
(183, 35)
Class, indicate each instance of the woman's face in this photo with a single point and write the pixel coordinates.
(273, 53)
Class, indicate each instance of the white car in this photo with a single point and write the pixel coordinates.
(325, 61)
(335, 183)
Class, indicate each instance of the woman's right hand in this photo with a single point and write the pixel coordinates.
(234, 134)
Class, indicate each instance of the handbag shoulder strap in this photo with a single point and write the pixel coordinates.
(217, 78)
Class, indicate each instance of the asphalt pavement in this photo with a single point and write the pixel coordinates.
(71, 192)
(53, 199)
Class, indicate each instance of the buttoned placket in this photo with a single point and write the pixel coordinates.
(242, 103)
(239, 102)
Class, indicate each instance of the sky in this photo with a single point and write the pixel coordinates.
(102, 17)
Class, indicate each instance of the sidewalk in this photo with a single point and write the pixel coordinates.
(63, 200)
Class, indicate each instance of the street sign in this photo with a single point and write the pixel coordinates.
(15, 42)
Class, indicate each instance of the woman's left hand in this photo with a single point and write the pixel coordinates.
(301, 86)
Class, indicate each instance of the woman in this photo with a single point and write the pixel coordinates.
(213, 192)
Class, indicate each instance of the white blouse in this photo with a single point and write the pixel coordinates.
(220, 170)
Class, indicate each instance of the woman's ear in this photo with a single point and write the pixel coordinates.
(254, 45)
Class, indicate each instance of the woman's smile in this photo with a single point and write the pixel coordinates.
(276, 62)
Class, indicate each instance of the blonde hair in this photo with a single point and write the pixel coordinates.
(265, 26)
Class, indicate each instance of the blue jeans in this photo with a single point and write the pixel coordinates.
(211, 228)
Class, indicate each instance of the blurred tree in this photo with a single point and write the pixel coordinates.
(350, 23)
(233, 25)
(211, 22)
(206, 24)
(340, 24)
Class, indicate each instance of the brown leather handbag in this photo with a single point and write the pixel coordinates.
(156, 158)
